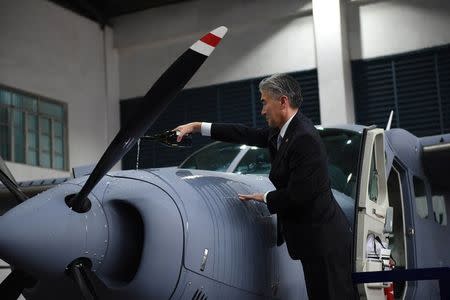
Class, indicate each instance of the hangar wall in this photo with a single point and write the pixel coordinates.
(274, 36)
(380, 28)
(49, 51)
(264, 37)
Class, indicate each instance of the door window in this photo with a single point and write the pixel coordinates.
(373, 181)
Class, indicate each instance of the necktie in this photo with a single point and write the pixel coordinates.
(279, 141)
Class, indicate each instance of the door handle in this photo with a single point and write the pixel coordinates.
(379, 215)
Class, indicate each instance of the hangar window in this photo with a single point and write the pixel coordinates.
(421, 197)
(32, 130)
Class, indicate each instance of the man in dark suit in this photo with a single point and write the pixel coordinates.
(309, 219)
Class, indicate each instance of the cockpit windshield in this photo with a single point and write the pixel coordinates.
(342, 148)
(214, 157)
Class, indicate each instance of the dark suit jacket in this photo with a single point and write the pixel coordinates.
(309, 219)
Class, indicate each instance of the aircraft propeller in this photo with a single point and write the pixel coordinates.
(154, 103)
(13, 285)
(8, 180)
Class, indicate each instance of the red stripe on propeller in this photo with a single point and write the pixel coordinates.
(211, 39)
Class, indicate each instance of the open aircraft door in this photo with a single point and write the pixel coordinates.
(371, 211)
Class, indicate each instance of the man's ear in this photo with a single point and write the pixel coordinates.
(284, 101)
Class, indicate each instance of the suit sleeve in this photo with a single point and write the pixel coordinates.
(240, 134)
(307, 168)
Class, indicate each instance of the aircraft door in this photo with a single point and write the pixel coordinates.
(371, 210)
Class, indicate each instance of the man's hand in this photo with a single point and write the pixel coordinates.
(182, 130)
(256, 196)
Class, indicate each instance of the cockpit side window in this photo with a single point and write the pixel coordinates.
(421, 197)
(255, 161)
(343, 151)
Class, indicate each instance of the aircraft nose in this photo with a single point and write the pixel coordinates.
(43, 235)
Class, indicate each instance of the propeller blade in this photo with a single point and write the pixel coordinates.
(80, 272)
(5, 170)
(154, 103)
(8, 180)
(13, 285)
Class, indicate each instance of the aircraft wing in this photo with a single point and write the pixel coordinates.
(29, 188)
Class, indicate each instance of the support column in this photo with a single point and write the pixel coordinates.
(333, 62)
(112, 93)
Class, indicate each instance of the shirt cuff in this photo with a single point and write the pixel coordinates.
(265, 197)
(206, 129)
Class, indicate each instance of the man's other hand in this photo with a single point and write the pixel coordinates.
(256, 196)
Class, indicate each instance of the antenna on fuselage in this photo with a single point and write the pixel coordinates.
(388, 126)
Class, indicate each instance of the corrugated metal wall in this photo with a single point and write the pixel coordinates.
(415, 85)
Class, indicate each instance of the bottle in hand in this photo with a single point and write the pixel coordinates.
(169, 138)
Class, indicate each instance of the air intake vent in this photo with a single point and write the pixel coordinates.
(199, 295)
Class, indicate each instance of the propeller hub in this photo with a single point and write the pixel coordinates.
(79, 206)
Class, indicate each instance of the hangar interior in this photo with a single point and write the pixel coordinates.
(72, 72)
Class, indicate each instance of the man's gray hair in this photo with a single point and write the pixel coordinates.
(283, 85)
